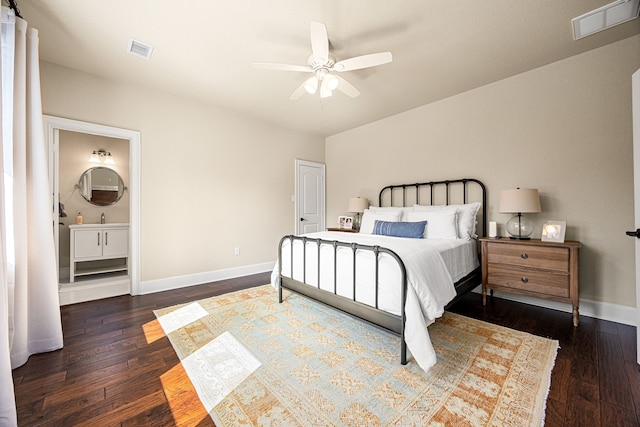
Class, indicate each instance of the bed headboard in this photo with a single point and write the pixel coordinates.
(448, 192)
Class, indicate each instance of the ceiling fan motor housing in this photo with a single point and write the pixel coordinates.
(316, 62)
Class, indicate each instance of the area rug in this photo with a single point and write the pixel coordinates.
(255, 362)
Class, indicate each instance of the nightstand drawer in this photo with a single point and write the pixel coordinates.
(548, 258)
(547, 283)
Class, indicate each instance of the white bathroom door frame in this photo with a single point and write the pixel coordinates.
(635, 95)
(310, 196)
(52, 127)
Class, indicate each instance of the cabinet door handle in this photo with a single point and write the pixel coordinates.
(524, 280)
(106, 238)
(98, 239)
(524, 256)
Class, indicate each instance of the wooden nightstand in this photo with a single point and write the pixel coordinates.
(531, 267)
(345, 230)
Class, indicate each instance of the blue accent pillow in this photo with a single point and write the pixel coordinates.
(412, 230)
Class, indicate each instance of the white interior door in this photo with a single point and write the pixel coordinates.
(310, 188)
(636, 186)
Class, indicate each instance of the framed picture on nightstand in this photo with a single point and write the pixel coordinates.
(345, 222)
(553, 231)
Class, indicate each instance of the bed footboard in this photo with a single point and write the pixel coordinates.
(366, 312)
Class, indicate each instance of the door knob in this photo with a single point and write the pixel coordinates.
(634, 233)
(302, 219)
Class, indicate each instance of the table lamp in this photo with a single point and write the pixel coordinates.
(357, 205)
(519, 201)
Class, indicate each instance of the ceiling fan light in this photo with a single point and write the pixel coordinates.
(332, 82)
(311, 85)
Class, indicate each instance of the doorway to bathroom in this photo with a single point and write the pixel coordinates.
(94, 174)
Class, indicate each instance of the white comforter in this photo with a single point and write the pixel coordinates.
(430, 283)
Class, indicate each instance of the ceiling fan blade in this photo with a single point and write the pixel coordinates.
(282, 67)
(363, 61)
(319, 41)
(297, 94)
(347, 88)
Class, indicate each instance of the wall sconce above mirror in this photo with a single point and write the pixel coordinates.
(101, 186)
(101, 156)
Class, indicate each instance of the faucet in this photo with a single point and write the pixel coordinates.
(102, 218)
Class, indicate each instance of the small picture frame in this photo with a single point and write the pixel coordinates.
(345, 222)
(554, 231)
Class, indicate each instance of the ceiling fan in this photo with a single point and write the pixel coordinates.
(323, 66)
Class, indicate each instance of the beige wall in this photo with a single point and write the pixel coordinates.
(211, 180)
(564, 128)
(75, 149)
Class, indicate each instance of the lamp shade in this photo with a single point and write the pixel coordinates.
(357, 204)
(520, 200)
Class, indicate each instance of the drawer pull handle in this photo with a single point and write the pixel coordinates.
(524, 280)
(524, 256)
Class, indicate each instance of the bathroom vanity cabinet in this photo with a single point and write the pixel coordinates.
(98, 242)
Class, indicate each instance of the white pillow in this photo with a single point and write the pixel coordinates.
(466, 219)
(441, 223)
(369, 218)
(404, 210)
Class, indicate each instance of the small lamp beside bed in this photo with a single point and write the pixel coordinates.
(519, 201)
(357, 205)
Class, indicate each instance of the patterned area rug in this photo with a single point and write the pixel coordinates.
(254, 362)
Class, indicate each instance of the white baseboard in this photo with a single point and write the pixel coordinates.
(177, 282)
(599, 310)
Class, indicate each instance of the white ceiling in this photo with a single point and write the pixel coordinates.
(204, 49)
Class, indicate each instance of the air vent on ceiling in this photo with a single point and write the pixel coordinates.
(140, 49)
(605, 17)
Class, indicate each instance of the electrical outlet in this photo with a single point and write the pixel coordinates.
(236, 251)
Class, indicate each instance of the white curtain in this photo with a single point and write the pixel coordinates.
(29, 306)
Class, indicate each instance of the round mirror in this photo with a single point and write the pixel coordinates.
(101, 186)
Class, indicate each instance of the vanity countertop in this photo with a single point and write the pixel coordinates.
(107, 225)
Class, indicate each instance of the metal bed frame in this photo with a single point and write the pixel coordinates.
(373, 314)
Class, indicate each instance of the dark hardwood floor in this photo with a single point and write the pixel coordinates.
(118, 369)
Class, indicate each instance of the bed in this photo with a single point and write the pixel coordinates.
(399, 283)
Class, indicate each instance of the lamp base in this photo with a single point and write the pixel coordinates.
(356, 222)
(519, 227)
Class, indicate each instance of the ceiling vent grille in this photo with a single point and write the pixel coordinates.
(139, 49)
(605, 17)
